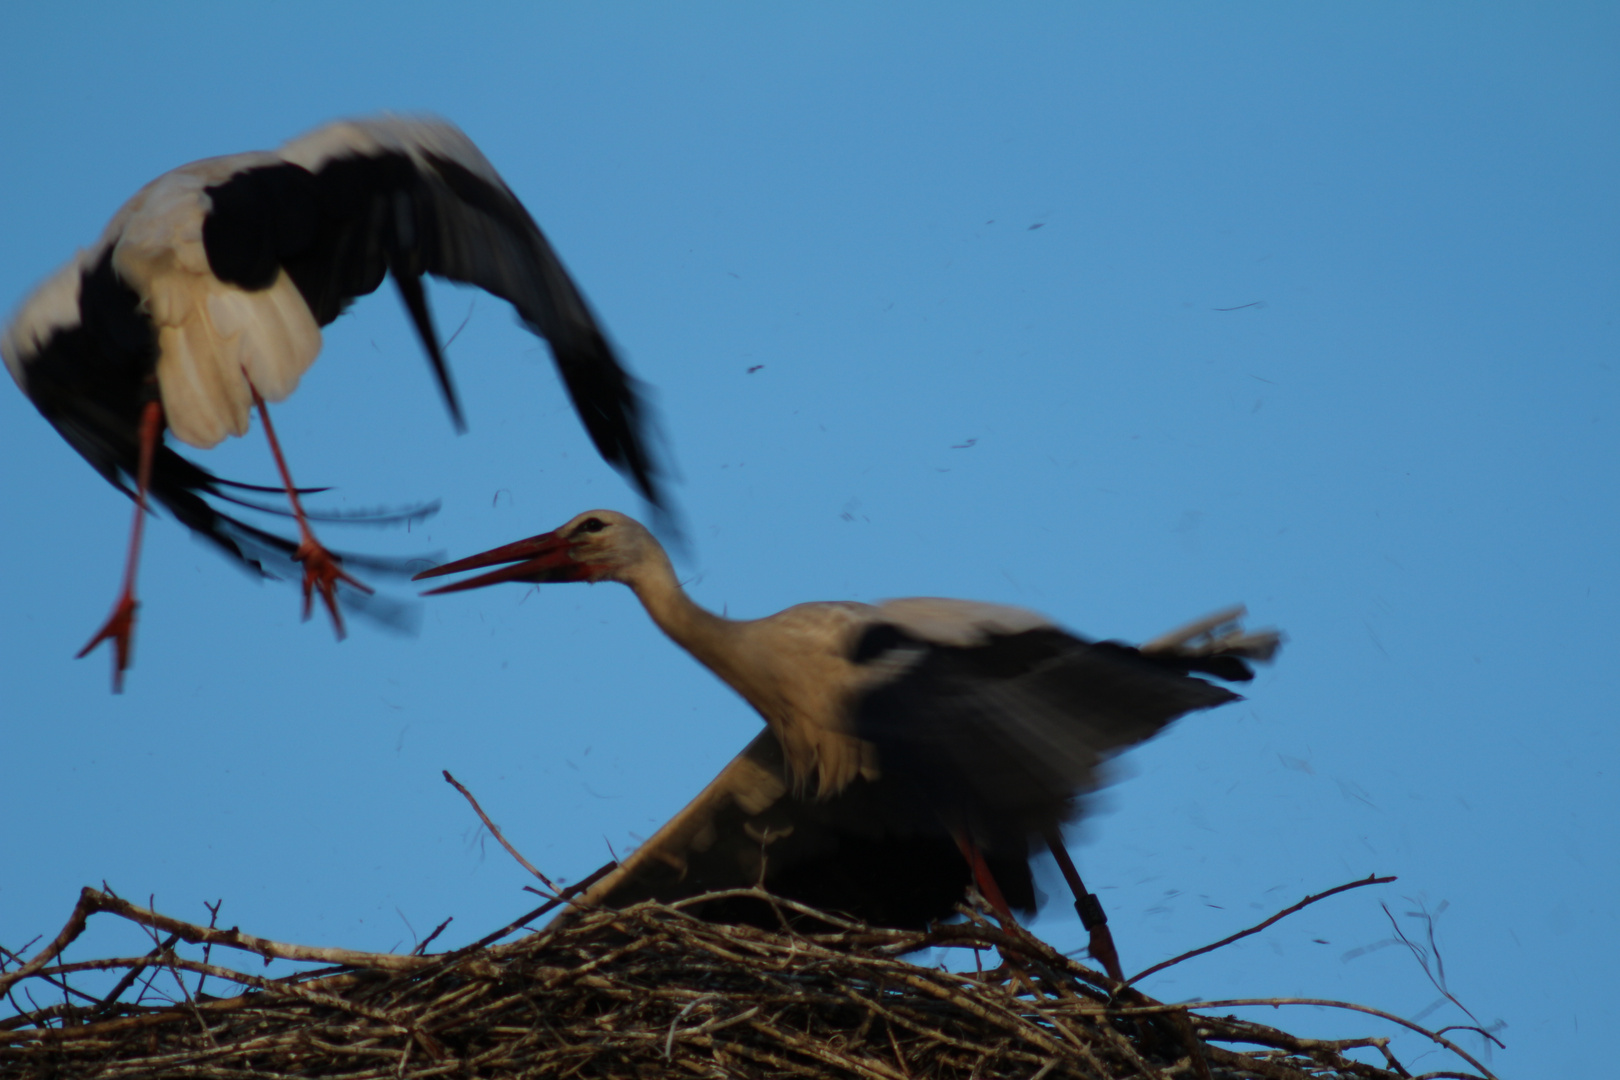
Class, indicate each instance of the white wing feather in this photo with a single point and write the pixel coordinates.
(959, 623)
(51, 307)
(414, 136)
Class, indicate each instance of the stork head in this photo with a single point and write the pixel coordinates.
(598, 545)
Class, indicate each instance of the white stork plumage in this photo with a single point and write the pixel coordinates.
(205, 295)
(947, 721)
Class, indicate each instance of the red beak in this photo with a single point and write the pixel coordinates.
(540, 558)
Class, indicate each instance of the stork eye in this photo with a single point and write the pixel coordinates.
(592, 525)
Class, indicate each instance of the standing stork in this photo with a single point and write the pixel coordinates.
(205, 297)
(951, 721)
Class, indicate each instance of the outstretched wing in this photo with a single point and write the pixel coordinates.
(358, 200)
(996, 728)
(881, 848)
(851, 852)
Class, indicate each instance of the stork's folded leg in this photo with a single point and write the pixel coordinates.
(322, 569)
(982, 877)
(120, 625)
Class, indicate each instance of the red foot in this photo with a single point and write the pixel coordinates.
(120, 625)
(323, 571)
(120, 629)
(1103, 951)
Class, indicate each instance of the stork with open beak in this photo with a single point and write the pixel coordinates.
(205, 296)
(976, 722)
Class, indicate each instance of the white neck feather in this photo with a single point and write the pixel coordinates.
(710, 638)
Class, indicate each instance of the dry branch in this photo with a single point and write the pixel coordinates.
(1370, 879)
(495, 831)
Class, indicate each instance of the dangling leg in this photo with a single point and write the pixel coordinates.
(321, 568)
(1089, 908)
(982, 876)
(120, 625)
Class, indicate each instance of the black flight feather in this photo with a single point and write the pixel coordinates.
(997, 739)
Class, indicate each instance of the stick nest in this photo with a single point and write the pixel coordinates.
(644, 992)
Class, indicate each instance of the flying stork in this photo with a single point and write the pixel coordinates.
(953, 723)
(205, 296)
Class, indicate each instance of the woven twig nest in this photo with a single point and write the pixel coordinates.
(649, 991)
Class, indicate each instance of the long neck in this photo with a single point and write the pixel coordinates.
(707, 636)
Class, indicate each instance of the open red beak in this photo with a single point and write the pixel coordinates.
(540, 558)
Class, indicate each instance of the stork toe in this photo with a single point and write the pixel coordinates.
(120, 630)
(323, 571)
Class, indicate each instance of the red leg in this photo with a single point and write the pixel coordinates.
(120, 625)
(1089, 908)
(983, 878)
(322, 569)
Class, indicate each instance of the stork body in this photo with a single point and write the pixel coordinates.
(929, 717)
(859, 852)
(205, 296)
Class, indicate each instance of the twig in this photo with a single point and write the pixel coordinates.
(437, 930)
(556, 901)
(1389, 1055)
(1320, 1002)
(213, 918)
(174, 969)
(44, 974)
(1422, 958)
(1371, 879)
(1477, 1030)
(495, 831)
(71, 930)
(135, 972)
(92, 901)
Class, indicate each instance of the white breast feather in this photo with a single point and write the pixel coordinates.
(208, 332)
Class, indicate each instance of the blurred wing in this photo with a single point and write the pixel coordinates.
(357, 200)
(1218, 644)
(858, 852)
(957, 622)
(997, 734)
(998, 737)
(87, 374)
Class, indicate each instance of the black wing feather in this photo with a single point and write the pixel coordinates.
(998, 739)
(341, 229)
(92, 381)
(852, 853)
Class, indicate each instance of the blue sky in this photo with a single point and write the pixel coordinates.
(979, 259)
